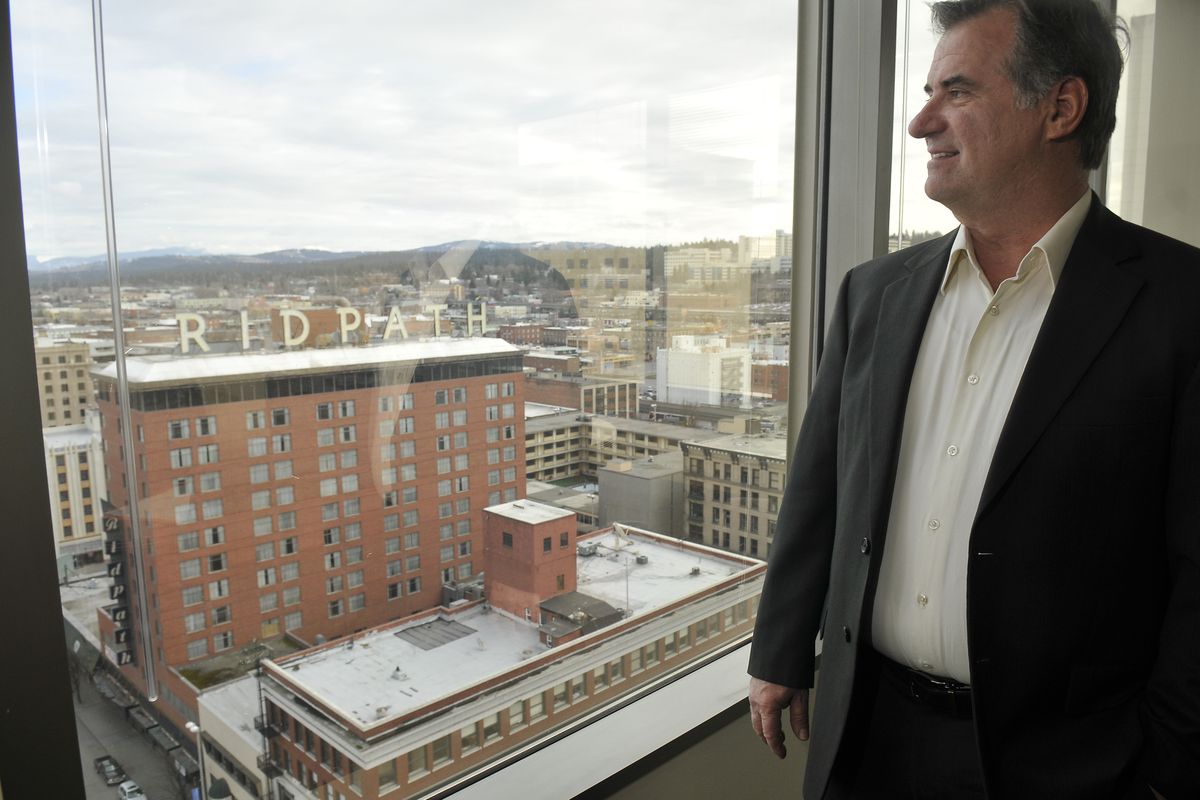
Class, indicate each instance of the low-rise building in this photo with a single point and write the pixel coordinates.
(646, 492)
(734, 489)
(414, 704)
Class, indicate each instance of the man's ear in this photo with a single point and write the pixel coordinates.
(1068, 102)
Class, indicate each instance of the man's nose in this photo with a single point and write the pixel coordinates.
(925, 122)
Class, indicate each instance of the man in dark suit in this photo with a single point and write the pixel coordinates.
(993, 511)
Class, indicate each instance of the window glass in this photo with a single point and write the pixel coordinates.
(622, 219)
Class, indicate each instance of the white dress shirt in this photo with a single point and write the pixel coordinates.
(972, 355)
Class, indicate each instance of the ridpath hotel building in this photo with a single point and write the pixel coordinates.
(311, 492)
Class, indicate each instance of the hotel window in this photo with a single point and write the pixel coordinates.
(405, 425)
(351, 507)
(193, 594)
(349, 459)
(255, 420)
(189, 568)
(346, 434)
(350, 483)
(460, 417)
(346, 408)
(216, 562)
(441, 419)
(279, 417)
(193, 623)
(324, 411)
(221, 615)
(325, 437)
(206, 426)
(181, 487)
(256, 446)
(408, 472)
(262, 526)
(516, 715)
(260, 499)
(177, 429)
(213, 508)
(333, 560)
(289, 571)
(293, 620)
(260, 473)
(333, 584)
(223, 641)
(197, 649)
(560, 692)
(281, 443)
(266, 577)
(287, 520)
(537, 707)
(578, 687)
(354, 579)
(218, 589)
(414, 584)
(418, 764)
(327, 462)
(329, 511)
(285, 495)
(185, 513)
(268, 602)
(188, 541)
(181, 458)
(354, 555)
(616, 670)
(393, 591)
(335, 607)
(469, 735)
(214, 535)
(387, 452)
(291, 596)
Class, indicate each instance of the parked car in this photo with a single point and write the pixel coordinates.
(130, 791)
(109, 769)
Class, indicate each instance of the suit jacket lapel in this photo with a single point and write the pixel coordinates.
(1088, 305)
(903, 312)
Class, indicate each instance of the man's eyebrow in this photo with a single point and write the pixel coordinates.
(953, 81)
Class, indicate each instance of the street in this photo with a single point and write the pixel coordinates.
(103, 728)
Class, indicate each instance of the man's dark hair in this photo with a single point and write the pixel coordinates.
(1057, 39)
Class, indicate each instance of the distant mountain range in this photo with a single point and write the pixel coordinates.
(189, 257)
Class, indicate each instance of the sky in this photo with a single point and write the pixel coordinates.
(249, 127)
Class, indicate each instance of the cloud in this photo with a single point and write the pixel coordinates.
(239, 127)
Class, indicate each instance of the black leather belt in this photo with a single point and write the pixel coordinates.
(941, 694)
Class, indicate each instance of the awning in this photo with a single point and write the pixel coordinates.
(141, 719)
(185, 766)
(163, 739)
(107, 685)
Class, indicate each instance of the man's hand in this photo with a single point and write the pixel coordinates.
(767, 702)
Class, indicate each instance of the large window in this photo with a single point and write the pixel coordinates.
(605, 207)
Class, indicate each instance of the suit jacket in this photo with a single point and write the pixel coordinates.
(1083, 585)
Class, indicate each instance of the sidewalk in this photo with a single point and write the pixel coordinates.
(103, 728)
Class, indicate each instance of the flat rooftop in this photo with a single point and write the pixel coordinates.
(398, 668)
(67, 436)
(191, 369)
(650, 467)
(767, 446)
(528, 511)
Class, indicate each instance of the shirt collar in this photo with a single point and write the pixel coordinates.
(1055, 245)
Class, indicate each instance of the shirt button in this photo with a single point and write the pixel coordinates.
(972, 379)
(934, 524)
(994, 310)
(952, 450)
(925, 665)
(922, 600)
